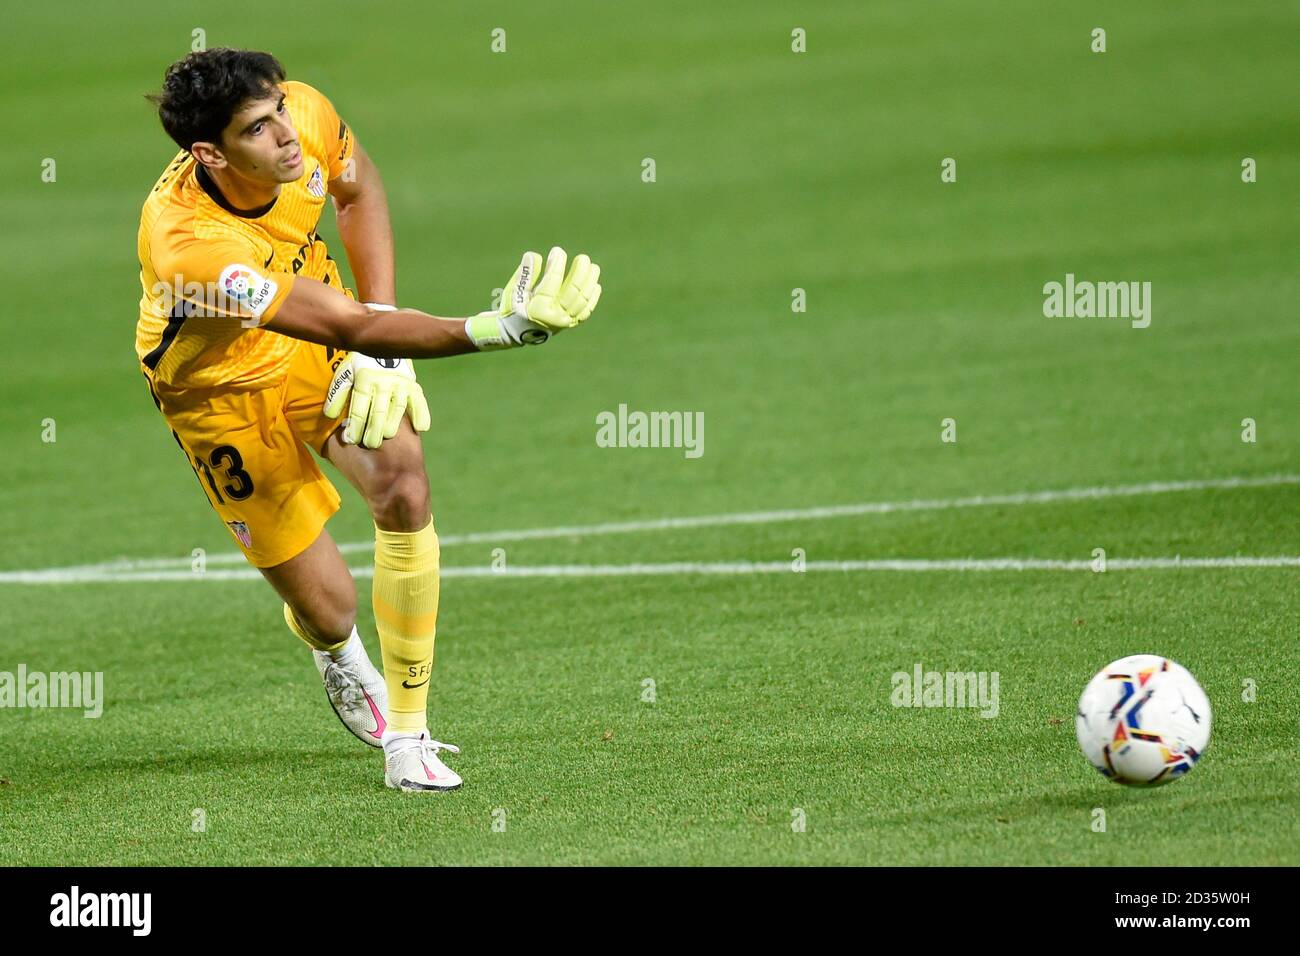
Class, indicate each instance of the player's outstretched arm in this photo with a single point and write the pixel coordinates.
(316, 312)
(534, 307)
(378, 382)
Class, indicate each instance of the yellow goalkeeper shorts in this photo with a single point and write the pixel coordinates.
(252, 453)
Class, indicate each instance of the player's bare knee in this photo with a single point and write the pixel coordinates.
(330, 609)
(403, 503)
(328, 625)
(337, 623)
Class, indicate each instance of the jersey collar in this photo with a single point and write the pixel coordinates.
(211, 189)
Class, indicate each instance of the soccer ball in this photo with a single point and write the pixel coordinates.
(1143, 720)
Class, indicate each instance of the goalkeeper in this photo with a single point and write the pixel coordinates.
(255, 355)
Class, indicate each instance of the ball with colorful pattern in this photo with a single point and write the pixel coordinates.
(1143, 721)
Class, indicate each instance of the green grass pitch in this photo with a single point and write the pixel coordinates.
(774, 171)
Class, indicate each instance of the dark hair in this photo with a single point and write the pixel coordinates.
(203, 91)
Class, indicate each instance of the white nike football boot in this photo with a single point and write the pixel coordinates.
(358, 694)
(411, 763)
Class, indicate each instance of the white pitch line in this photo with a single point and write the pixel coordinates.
(73, 576)
(845, 511)
(235, 558)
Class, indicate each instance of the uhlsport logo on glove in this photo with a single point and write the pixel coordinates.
(540, 303)
(342, 382)
(524, 282)
(383, 391)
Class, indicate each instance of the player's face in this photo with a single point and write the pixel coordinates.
(261, 143)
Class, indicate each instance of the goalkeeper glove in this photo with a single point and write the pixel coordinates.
(382, 390)
(535, 306)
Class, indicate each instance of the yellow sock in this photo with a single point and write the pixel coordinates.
(405, 597)
(296, 626)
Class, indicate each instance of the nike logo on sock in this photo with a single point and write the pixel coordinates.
(413, 686)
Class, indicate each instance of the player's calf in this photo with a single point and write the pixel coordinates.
(356, 690)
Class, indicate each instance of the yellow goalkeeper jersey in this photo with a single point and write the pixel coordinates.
(210, 273)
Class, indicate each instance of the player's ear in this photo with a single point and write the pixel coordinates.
(208, 154)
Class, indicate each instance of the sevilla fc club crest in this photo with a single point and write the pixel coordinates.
(316, 186)
(240, 531)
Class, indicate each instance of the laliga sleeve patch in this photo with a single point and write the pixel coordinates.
(247, 292)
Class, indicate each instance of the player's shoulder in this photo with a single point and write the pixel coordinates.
(172, 176)
(167, 220)
(186, 238)
(302, 96)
